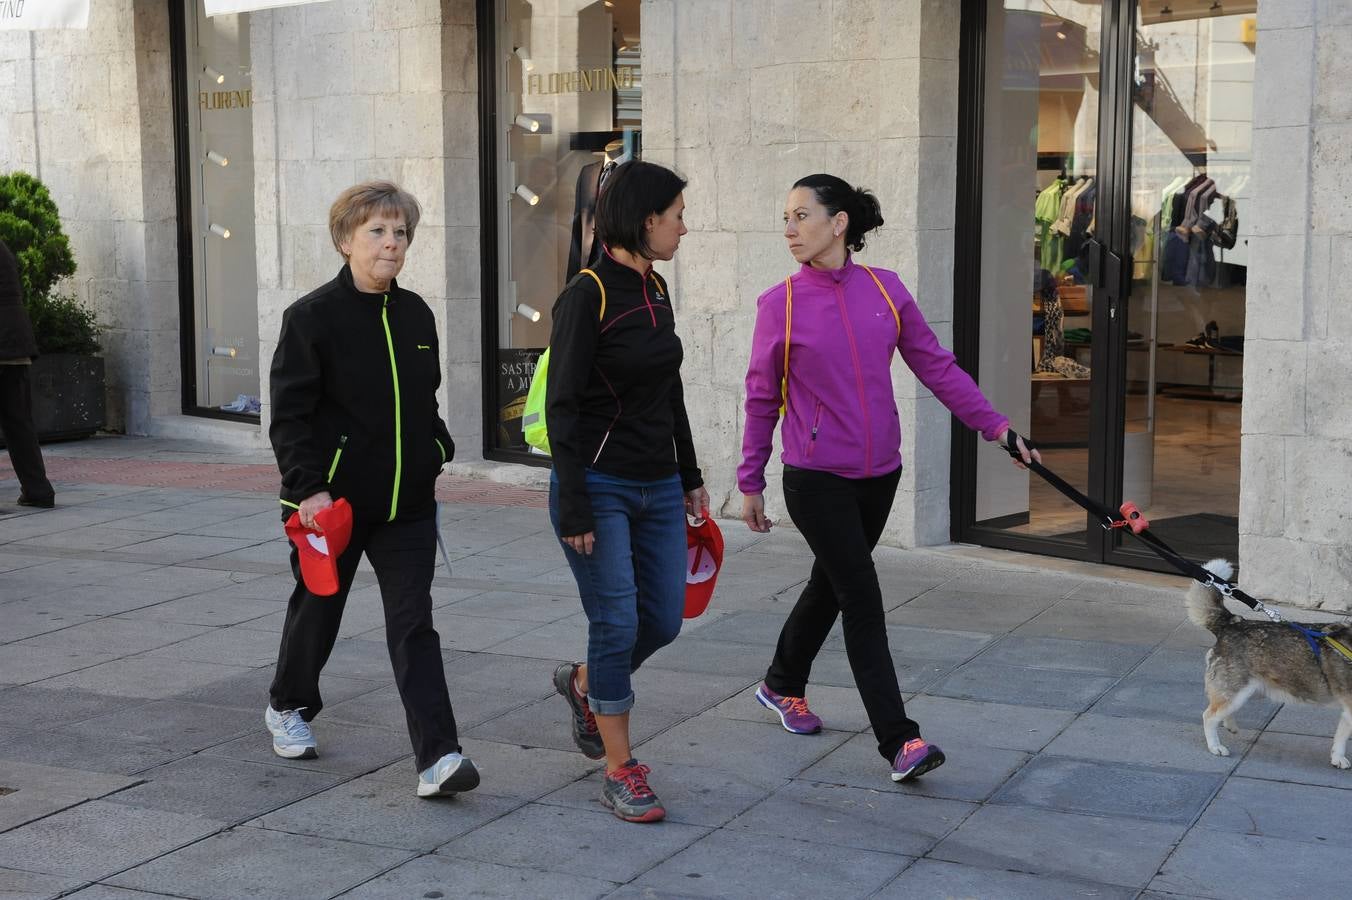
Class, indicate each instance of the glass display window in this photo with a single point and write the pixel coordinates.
(568, 108)
(220, 322)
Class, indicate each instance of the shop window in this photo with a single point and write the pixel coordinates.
(216, 206)
(569, 103)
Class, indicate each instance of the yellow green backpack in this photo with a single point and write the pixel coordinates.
(533, 423)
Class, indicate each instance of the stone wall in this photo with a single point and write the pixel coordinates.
(88, 112)
(1296, 456)
(744, 97)
(353, 90)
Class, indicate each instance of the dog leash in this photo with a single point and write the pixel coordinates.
(1129, 517)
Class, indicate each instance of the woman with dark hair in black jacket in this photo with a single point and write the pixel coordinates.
(625, 472)
(354, 415)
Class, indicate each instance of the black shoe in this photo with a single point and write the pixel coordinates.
(39, 502)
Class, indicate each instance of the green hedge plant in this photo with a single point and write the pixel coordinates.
(30, 225)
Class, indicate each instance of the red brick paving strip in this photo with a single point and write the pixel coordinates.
(260, 478)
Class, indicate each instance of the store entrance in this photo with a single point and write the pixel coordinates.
(1112, 141)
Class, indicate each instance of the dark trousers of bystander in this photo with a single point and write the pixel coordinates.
(403, 556)
(842, 519)
(16, 420)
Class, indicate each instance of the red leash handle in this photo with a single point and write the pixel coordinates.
(1133, 519)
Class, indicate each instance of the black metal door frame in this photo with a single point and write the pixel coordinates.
(1110, 273)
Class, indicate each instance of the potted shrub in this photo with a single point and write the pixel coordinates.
(68, 375)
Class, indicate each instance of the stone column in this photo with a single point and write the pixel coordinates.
(88, 113)
(1296, 452)
(354, 90)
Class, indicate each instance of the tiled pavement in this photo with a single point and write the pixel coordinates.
(139, 621)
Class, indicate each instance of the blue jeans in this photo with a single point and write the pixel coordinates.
(632, 584)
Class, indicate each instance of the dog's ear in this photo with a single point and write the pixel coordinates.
(1221, 568)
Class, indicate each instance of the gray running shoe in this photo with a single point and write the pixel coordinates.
(625, 792)
(448, 776)
(291, 734)
(585, 733)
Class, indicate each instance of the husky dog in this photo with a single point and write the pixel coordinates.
(1273, 657)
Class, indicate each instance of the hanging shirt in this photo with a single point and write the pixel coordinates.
(1045, 211)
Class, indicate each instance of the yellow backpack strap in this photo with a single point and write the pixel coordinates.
(788, 332)
(597, 279)
(895, 315)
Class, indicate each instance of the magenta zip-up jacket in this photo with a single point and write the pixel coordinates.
(841, 416)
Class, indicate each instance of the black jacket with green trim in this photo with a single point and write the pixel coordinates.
(613, 398)
(354, 404)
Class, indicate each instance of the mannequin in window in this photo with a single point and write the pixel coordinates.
(584, 251)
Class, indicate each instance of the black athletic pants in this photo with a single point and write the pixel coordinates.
(16, 420)
(403, 555)
(842, 519)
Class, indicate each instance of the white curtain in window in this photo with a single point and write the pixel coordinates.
(30, 15)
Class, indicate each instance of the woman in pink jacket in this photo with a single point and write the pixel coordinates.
(835, 324)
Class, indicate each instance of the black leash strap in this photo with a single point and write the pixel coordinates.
(1109, 519)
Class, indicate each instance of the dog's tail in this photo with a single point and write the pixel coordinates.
(1205, 606)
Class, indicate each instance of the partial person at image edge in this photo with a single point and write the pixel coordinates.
(18, 349)
(354, 415)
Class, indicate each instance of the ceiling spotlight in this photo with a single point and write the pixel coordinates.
(213, 75)
(220, 231)
(527, 194)
(218, 159)
(1061, 32)
(529, 313)
(526, 62)
(526, 123)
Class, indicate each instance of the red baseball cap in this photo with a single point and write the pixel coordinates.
(319, 548)
(704, 557)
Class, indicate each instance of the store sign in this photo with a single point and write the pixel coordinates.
(30, 15)
(581, 81)
(209, 100)
(228, 7)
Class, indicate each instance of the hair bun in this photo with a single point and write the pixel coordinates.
(867, 213)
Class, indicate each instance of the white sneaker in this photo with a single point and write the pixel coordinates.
(291, 734)
(448, 775)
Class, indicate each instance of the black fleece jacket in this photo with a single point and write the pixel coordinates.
(613, 399)
(354, 403)
(16, 331)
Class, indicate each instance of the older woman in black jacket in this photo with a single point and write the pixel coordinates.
(354, 415)
(17, 351)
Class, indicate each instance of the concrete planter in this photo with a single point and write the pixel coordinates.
(68, 396)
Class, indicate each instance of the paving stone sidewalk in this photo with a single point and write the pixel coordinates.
(139, 623)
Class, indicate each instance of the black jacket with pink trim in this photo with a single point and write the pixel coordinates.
(614, 401)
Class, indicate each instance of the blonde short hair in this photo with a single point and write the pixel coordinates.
(356, 205)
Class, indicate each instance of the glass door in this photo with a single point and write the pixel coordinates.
(1191, 127)
(1111, 139)
(1040, 189)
